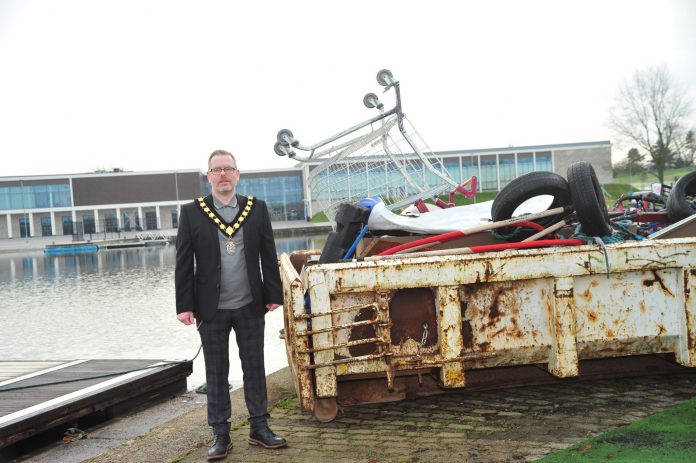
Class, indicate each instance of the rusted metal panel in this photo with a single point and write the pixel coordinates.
(325, 385)
(451, 343)
(294, 307)
(686, 350)
(455, 314)
(511, 265)
(563, 356)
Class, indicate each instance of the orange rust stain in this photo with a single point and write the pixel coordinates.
(594, 283)
(592, 316)
(587, 295)
(610, 334)
(498, 332)
(454, 377)
(643, 308)
(661, 329)
(484, 346)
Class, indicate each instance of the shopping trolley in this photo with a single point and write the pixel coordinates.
(383, 156)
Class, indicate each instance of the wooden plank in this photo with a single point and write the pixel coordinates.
(26, 412)
(14, 369)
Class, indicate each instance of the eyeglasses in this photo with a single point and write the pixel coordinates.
(220, 170)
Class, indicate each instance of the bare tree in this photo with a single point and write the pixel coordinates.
(650, 110)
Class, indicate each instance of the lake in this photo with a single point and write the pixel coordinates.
(111, 304)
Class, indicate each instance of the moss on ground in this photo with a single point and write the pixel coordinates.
(665, 437)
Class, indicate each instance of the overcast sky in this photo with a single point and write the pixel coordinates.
(158, 85)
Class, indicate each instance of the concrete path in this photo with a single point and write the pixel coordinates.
(510, 425)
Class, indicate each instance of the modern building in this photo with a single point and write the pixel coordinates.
(77, 204)
(493, 167)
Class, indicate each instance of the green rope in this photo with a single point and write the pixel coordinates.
(620, 232)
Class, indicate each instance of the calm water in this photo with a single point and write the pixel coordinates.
(110, 304)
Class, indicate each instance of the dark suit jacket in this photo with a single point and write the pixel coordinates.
(198, 286)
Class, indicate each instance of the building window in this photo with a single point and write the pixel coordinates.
(175, 219)
(88, 220)
(525, 163)
(110, 223)
(489, 173)
(506, 166)
(24, 229)
(46, 226)
(543, 161)
(282, 193)
(151, 220)
(67, 225)
(34, 196)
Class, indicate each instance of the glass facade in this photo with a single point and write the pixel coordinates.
(489, 173)
(525, 163)
(543, 161)
(493, 171)
(283, 194)
(283, 191)
(34, 197)
(506, 168)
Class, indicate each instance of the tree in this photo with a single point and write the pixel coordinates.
(631, 165)
(688, 151)
(650, 110)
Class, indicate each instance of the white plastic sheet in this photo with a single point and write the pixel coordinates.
(446, 220)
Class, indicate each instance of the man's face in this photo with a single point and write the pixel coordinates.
(223, 182)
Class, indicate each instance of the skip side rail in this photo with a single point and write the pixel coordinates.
(372, 331)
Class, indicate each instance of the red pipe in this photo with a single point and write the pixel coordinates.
(448, 237)
(526, 244)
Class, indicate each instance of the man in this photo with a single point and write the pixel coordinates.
(221, 240)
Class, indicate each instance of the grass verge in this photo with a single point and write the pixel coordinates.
(666, 437)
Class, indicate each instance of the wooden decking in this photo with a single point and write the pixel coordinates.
(25, 412)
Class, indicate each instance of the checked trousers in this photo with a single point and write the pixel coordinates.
(248, 325)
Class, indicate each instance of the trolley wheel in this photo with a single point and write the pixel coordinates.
(325, 409)
(278, 148)
(385, 78)
(588, 200)
(371, 101)
(285, 137)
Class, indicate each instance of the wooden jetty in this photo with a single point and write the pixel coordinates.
(27, 411)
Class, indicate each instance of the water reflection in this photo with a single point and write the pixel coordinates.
(37, 265)
(110, 304)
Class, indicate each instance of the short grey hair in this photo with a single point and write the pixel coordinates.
(221, 153)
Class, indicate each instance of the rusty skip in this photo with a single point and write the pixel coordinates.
(441, 316)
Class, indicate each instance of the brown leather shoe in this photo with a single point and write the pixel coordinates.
(264, 437)
(221, 446)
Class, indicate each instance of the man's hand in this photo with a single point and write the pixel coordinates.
(186, 318)
(272, 307)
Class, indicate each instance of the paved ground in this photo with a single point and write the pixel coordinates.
(510, 425)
